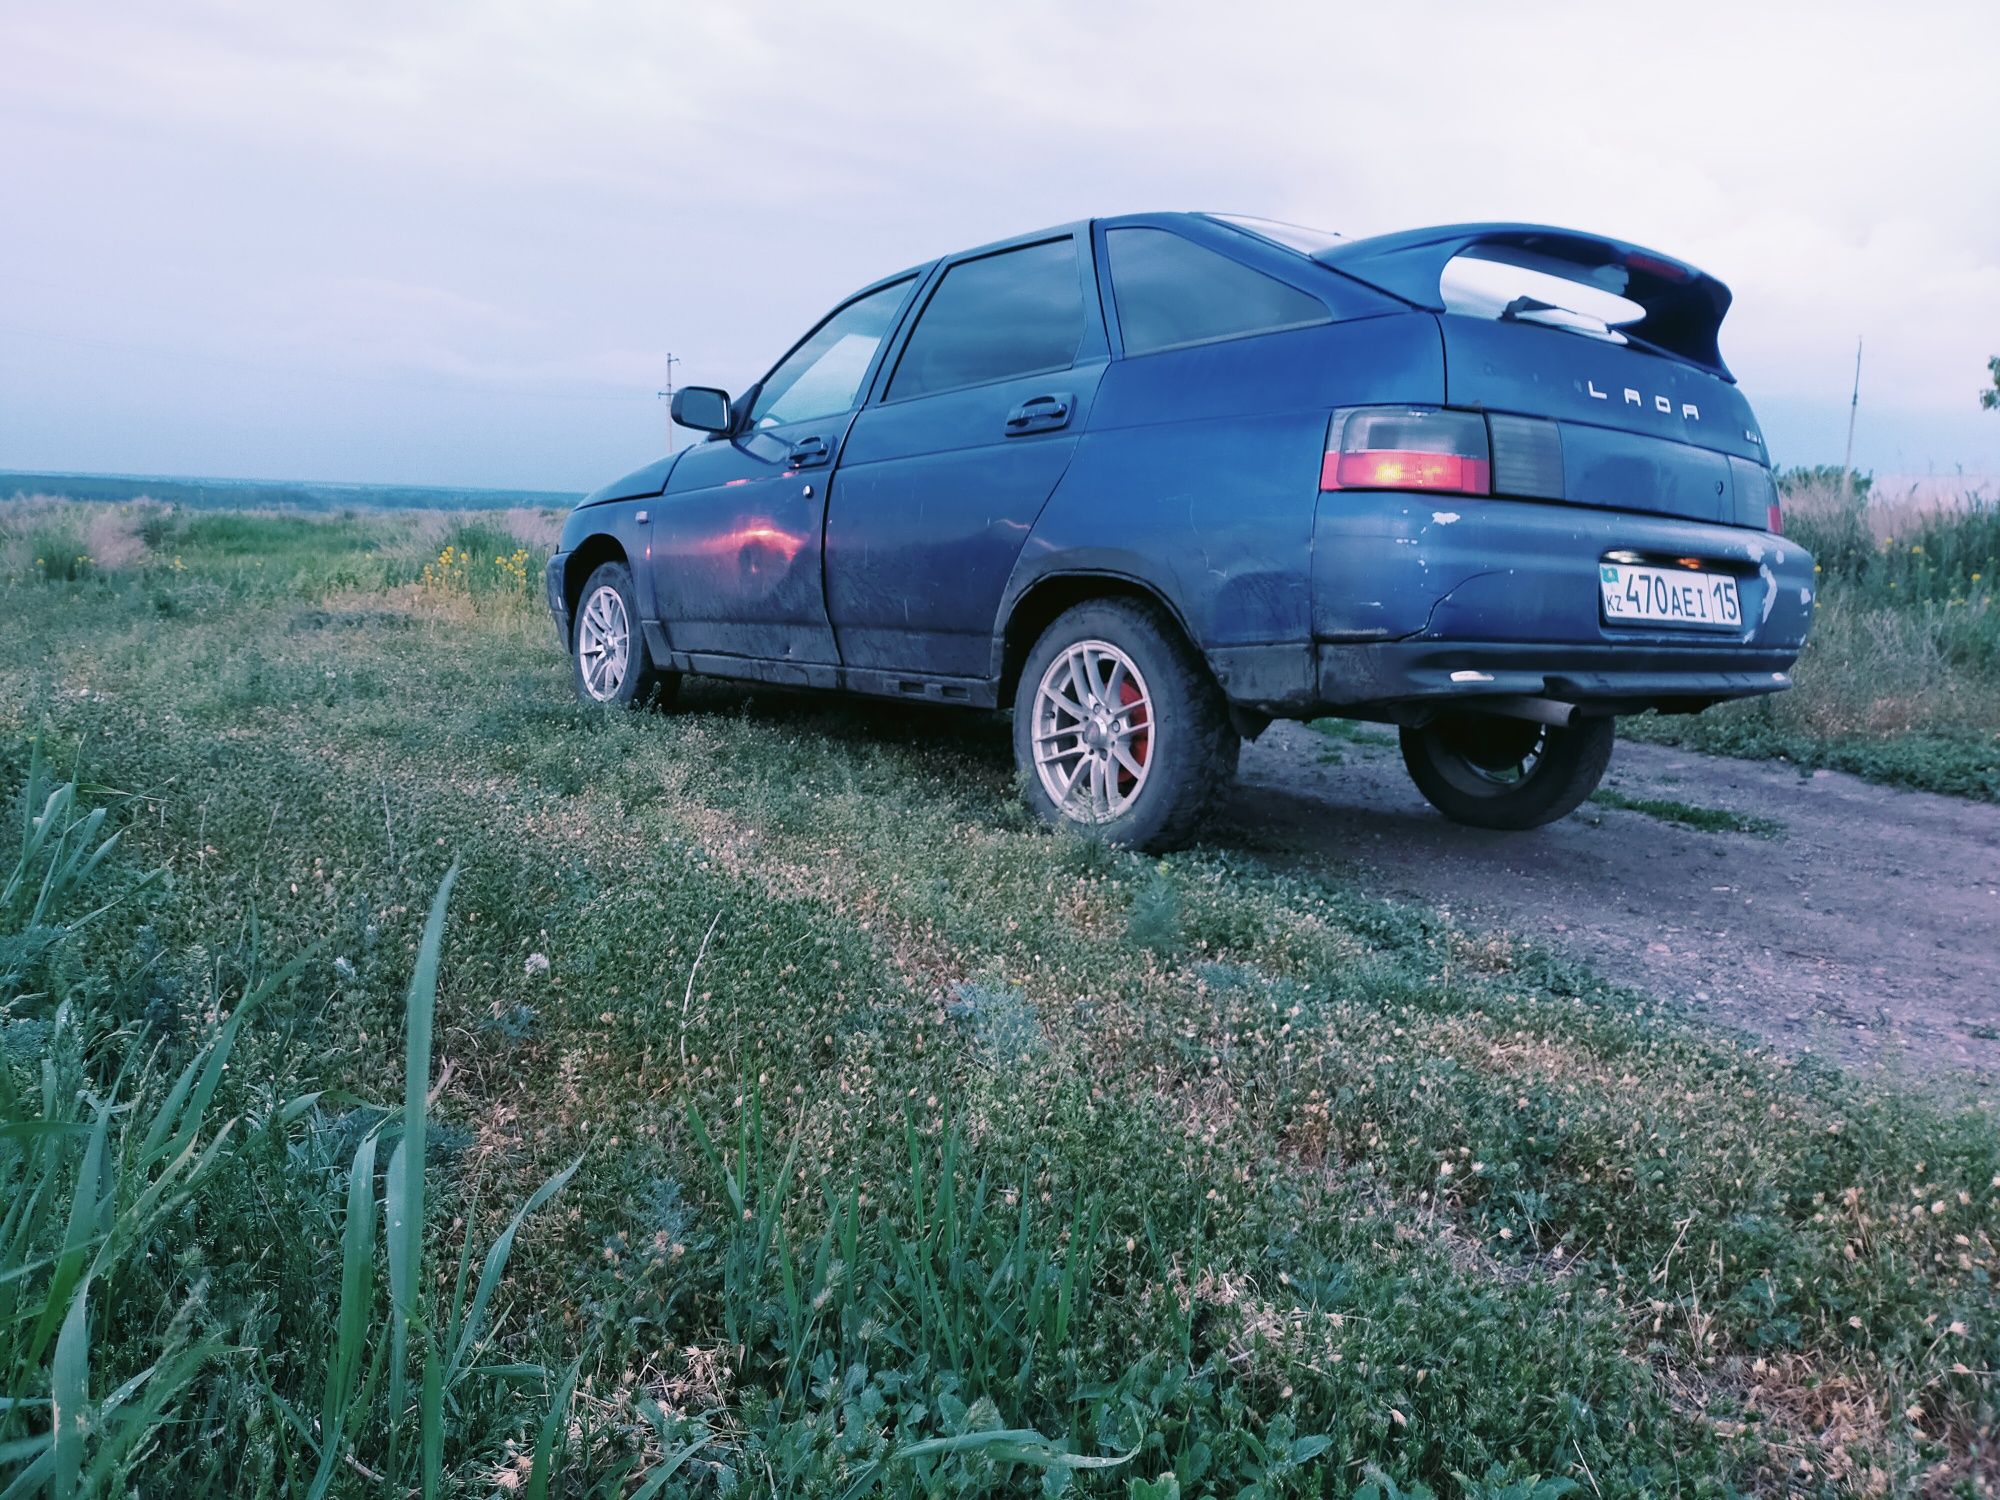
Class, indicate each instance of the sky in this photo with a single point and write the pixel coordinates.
(454, 243)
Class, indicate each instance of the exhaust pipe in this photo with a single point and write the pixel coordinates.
(1540, 710)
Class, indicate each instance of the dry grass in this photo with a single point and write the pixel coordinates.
(537, 529)
(1900, 678)
(109, 535)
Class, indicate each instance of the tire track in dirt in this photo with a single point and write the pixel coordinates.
(1867, 932)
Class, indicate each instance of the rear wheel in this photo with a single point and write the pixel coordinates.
(1118, 726)
(1493, 772)
(608, 660)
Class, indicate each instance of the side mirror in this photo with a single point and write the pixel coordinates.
(701, 407)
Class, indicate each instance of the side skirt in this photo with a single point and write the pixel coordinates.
(971, 692)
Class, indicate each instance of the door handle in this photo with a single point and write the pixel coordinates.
(1040, 413)
(808, 452)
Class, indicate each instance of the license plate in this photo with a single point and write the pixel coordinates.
(1668, 596)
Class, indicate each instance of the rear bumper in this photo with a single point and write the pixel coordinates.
(1418, 600)
(1397, 567)
(1419, 675)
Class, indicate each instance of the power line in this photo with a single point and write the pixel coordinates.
(668, 396)
(1853, 410)
(331, 377)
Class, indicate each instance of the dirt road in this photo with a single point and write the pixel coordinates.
(1867, 929)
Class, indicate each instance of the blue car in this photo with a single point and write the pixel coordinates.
(1154, 481)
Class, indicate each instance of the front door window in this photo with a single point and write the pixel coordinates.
(822, 377)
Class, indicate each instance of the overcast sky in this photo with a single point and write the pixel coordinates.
(454, 243)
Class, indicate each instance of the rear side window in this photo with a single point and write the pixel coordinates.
(1016, 313)
(1171, 291)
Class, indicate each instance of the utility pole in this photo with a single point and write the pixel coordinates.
(1853, 407)
(668, 396)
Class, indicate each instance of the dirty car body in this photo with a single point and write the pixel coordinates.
(1321, 481)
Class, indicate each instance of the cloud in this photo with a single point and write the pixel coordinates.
(509, 194)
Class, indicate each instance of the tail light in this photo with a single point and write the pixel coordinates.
(1775, 519)
(1407, 448)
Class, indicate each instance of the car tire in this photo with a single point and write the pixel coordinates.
(1510, 774)
(608, 660)
(1127, 719)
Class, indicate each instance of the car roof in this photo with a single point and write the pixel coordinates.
(1053, 231)
(1030, 237)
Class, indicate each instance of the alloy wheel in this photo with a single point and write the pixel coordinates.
(1094, 734)
(604, 643)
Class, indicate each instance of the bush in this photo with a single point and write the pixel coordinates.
(1900, 678)
(157, 526)
(59, 552)
(1896, 554)
(481, 559)
(1825, 477)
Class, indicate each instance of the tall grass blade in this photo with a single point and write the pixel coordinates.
(357, 1306)
(422, 1013)
(716, 1159)
(553, 1423)
(455, 1309)
(496, 1263)
(1013, 1445)
(402, 1283)
(69, 1391)
(657, 1477)
(127, 1431)
(406, 1164)
(187, 1103)
(431, 1407)
(31, 1479)
(85, 1213)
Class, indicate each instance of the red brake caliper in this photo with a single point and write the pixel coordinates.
(1142, 742)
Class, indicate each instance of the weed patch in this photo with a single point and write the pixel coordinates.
(1899, 681)
(1687, 815)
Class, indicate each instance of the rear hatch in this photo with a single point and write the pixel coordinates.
(1595, 360)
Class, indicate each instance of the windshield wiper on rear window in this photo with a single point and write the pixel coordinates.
(1526, 309)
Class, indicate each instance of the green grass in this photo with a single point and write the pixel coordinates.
(1353, 732)
(912, 1149)
(1348, 732)
(63, 1271)
(1687, 815)
(60, 551)
(1900, 679)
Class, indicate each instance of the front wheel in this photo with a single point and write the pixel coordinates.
(1509, 774)
(607, 653)
(1119, 726)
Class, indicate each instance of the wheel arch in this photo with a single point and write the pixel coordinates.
(1039, 605)
(592, 553)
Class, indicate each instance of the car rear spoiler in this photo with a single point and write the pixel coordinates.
(1684, 306)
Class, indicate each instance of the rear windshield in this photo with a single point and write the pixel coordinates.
(1486, 288)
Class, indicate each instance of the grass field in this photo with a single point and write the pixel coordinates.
(911, 1149)
(1900, 678)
